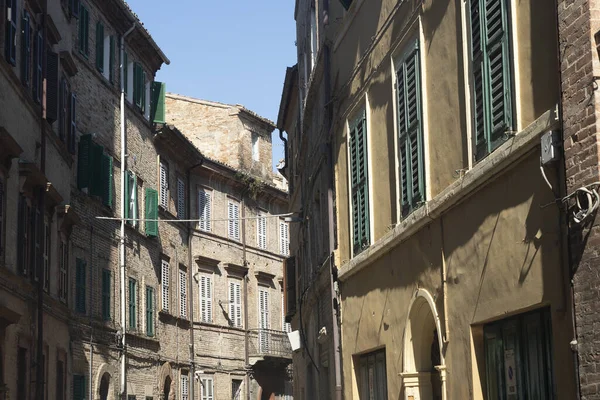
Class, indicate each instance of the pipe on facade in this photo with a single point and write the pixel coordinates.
(190, 228)
(285, 151)
(444, 284)
(122, 276)
(91, 253)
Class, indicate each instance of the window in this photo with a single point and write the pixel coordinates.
(157, 107)
(47, 251)
(151, 214)
(60, 380)
(38, 54)
(235, 304)
(100, 46)
(164, 185)
(79, 387)
(149, 311)
(164, 284)
(132, 304)
(10, 38)
(261, 231)
(63, 269)
(37, 228)
(26, 48)
(184, 386)
(84, 31)
(95, 170)
(63, 109)
(410, 131)
(204, 209)
(264, 322)
(289, 284)
(372, 376)
(180, 198)
(255, 153)
(22, 373)
(206, 298)
(522, 344)
(105, 52)
(74, 6)
(359, 183)
(129, 82)
(233, 215)
(106, 290)
(284, 238)
(131, 205)
(236, 389)
(182, 293)
(24, 236)
(285, 326)
(80, 286)
(206, 392)
(491, 74)
(139, 87)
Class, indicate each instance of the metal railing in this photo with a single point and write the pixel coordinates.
(268, 342)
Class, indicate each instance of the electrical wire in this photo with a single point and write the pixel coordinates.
(196, 220)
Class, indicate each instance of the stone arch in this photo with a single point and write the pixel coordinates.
(104, 381)
(422, 379)
(165, 381)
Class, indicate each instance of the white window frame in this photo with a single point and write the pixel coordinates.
(206, 297)
(233, 222)
(261, 231)
(164, 284)
(235, 303)
(207, 391)
(180, 198)
(185, 386)
(164, 185)
(183, 293)
(264, 318)
(204, 209)
(284, 238)
(255, 148)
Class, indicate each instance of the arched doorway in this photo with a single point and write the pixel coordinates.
(165, 379)
(167, 388)
(423, 362)
(104, 386)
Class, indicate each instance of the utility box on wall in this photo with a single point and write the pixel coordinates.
(550, 147)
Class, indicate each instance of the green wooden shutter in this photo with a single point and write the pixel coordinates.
(79, 387)
(127, 199)
(151, 212)
(412, 180)
(143, 91)
(137, 78)
(132, 304)
(84, 31)
(360, 184)
(96, 170)
(111, 60)
(100, 46)
(158, 102)
(80, 286)
(106, 284)
(149, 311)
(84, 161)
(490, 52)
(107, 180)
(125, 73)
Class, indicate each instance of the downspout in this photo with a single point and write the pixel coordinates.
(91, 252)
(123, 388)
(331, 223)
(246, 352)
(285, 151)
(446, 338)
(190, 228)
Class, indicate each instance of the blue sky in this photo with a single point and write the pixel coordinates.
(227, 51)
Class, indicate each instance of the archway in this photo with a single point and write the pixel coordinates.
(424, 369)
(165, 379)
(104, 386)
(167, 388)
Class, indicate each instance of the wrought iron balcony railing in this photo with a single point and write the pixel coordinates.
(268, 342)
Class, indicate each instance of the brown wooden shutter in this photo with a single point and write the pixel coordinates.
(51, 98)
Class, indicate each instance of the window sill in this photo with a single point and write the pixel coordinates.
(213, 325)
(473, 180)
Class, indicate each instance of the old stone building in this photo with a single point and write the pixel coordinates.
(449, 234)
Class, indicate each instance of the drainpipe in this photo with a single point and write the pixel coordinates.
(91, 252)
(123, 388)
(190, 229)
(285, 151)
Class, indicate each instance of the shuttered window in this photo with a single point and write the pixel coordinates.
(410, 132)
(182, 293)
(164, 185)
(285, 326)
(26, 49)
(207, 392)
(63, 109)
(359, 183)
(151, 214)
(80, 286)
(111, 59)
(284, 238)
(206, 299)
(107, 180)
(79, 387)
(73, 124)
(84, 31)
(106, 291)
(139, 86)
(233, 223)
(149, 311)
(100, 46)
(289, 283)
(47, 246)
(95, 170)
(373, 376)
(63, 270)
(184, 387)
(52, 86)
(235, 303)
(261, 234)
(24, 236)
(491, 70)
(132, 304)
(10, 38)
(204, 209)
(131, 199)
(157, 104)
(38, 53)
(264, 321)
(164, 284)
(180, 198)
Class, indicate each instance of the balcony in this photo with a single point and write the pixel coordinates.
(267, 346)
